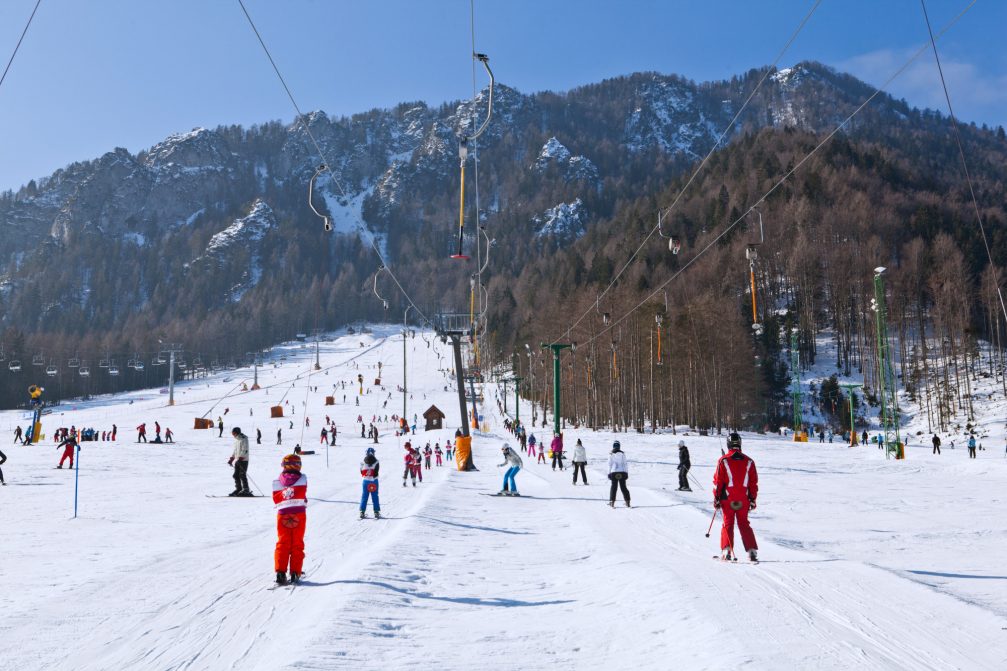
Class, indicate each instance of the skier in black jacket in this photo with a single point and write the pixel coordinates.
(3, 458)
(684, 464)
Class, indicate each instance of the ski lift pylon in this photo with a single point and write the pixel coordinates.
(463, 154)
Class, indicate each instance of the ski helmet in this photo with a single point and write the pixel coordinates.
(681, 443)
(734, 440)
(291, 462)
(370, 450)
(616, 445)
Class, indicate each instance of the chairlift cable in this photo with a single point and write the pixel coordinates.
(303, 119)
(19, 41)
(667, 211)
(782, 180)
(961, 154)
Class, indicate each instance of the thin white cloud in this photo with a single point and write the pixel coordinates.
(977, 96)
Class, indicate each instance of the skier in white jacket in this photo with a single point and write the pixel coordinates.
(579, 462)
(513, 460)
(618, 473)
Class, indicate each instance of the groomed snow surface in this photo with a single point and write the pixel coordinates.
(867, 563)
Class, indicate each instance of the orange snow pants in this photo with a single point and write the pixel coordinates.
(290, 542)
(727, 533)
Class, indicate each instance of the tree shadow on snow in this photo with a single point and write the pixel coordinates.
(476, 526)
(466, 600)
(939, 574)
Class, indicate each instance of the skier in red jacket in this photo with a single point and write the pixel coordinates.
(735, 488)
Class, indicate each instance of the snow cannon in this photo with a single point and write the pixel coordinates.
(35, 430)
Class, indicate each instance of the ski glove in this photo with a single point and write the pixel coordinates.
(716, 504)
(230, 462)
(751, 502)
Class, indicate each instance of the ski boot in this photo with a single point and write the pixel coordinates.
(236, 492)
(515, 493)
(403, 483)
(753, 555)
(627, 505)
(726, 554)
(414, 483)
(363, 515)
(246, 492)
(377, 515)
(295, 578)
(281, 578)
(611, 504)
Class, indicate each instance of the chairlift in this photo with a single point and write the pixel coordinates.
(84, 370)
(182, 365)
(38, 360)
(198, 362)
(51, 369)
(674, 242)
(103, 363)
(14, 366)
(139, 365)
(463, 154)
(113, 369)
(73, 363)
(131, 363)
(384, 302)
(327, 225)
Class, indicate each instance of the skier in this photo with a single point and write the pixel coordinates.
(684, 464)
(290, 494)
(141, 435)
(736, 484)
(220, 427)
(937, 444)
(3, 459)
(579, 462)
(369, 484)
(439, 455)
(556, 447)
(239, 459)
(427, 453)
(541, 454)
(168, 435)
(531, 445)
(513, 462)
(448, 450)
(17, 434)
(972, 446)
(279, 436)
(409, 457)
(157, 431)
(68, 446)
(258, 436)
(115, 430)
(863, 438)
(618, 473)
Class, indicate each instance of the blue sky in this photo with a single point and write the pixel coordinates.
(95, 75)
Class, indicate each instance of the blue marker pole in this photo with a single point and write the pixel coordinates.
(76, 480)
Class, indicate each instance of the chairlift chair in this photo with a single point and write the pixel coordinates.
(51, 369)
(38, 360)
(674, 241)
(14, 366)
(103, 363)
(113, 369)
(139, 365)
(84, 370)
(73, 363)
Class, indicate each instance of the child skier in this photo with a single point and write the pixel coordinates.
(531, 445)
(439, 454)
(411, 454)
(513, 461)
(427, 453)
(68, 446)
(736, 484)
(369, 484)
(448, 450)
(290, 494)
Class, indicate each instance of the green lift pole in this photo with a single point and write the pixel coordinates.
(886, 377)
(556, 407)
(849, 387)
(795, 370)
(517, 399)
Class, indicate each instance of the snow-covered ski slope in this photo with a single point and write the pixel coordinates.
(867, 563)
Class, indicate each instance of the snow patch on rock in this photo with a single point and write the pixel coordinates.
(565, 220)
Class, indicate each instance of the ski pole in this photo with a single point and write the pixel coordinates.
(76, 481)
(255, 483)
(715, 511)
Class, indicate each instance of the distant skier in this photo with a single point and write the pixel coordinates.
(141, 433)
(864, 439)
(684, 464)
(531, 445)
(556, 447)
(427, 453)
(972, 447)
(325, 436)
(220, 427)
(618, 473)
(18, 433)
(579, 462)
(258, 436)
(290, 494)
(937, 444)
(439, 455)
(115, 430)
(369, 468)
(68, 445)
(448, 450)
(513, 462)
(168, 435)
(239, 459)
(279, 436)
(736, 484)
(3, 460)
(412, 464)
(157, 431)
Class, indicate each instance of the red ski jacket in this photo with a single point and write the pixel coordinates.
(735, 478)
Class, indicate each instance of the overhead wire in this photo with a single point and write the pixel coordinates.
(783, 179)
(303, 119)
(720, 139)
(19, 41)
(961, 154)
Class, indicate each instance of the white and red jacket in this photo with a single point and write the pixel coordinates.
(735, 478)
(369, 471)
(290, 493)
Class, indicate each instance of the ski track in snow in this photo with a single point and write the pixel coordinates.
(866, 562)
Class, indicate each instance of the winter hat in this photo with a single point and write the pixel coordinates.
(370, 450)
(616, 446)
(579, 443)
(235, 431)
(681, 443)
(291, 462)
